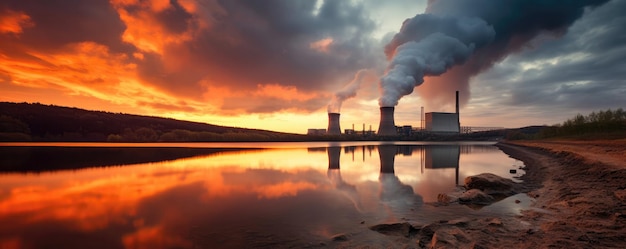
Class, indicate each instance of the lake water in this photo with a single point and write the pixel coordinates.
(234, 195)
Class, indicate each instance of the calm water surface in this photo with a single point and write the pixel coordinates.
(233, 195)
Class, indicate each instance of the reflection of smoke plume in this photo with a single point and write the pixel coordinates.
(393, 192)
(334, 174)
(349, 91)
(477, 33)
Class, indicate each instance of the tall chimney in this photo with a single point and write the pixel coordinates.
(458, 116)
(422, 119)
(387, 126)
(457, 102)
(333, 124)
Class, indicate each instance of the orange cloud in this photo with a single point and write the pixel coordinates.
(145, 31)
(90, 69)
(14, 22)
(282, 92)
(322, 45)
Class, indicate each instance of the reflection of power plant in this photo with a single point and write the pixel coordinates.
(443, 157)
(398, 187)
(334, 154)
(393, 183)
(393, 192)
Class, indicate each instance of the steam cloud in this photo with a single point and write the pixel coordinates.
(349, 91)
(472, 35)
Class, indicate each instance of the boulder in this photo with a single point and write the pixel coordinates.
(491, 184)
(396, 229)
(450, 237)
(475, 196)
(446, 199)
(340, 237)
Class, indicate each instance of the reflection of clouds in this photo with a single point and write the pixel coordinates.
(154, 237)
(269, 192)
(99, 199)
(265, 183)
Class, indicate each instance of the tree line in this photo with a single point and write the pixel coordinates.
(601, 124)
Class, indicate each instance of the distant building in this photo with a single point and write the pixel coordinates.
(443, 122)
(316, 132)
(405, 130)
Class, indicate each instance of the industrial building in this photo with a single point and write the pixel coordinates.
(444, 122)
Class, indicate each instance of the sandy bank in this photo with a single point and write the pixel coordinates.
(582, 186)
(579, 191)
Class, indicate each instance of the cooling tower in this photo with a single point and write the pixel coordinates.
(333, 124)
(387, 126)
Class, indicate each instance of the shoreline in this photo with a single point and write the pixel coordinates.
(578, 192)
(581, 185)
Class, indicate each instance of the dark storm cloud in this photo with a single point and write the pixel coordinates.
(57, 23)
(252, 43)
(583, 69)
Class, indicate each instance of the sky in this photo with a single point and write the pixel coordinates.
(279, 64)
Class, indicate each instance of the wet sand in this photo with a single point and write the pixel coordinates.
(578, 190)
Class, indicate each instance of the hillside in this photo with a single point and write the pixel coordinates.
(38, 122)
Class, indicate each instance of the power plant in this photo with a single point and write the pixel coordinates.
(432, 122)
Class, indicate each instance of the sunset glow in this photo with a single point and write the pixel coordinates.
(245, 64)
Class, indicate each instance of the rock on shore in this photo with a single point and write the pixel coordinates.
(483, 189)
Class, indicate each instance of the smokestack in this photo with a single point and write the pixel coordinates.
(422, 119)
(333, 124)
(458, 117)
(457, 102)
(387, 126)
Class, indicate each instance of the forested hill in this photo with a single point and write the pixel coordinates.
(38, 122)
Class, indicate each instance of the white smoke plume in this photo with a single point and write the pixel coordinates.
(482, 32)
(349, 91)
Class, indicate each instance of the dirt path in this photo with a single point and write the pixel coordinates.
(582, 199)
